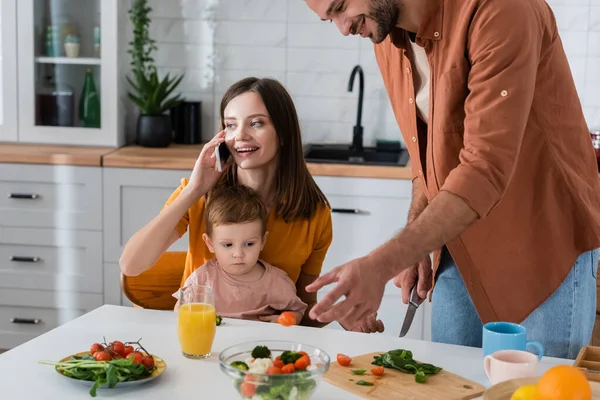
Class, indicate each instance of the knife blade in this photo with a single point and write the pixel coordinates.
(413, 304)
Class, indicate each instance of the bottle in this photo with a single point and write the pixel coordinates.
(89, 103)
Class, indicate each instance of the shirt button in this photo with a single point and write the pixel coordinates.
(414, 138)
(408, 70)
(436, 34)
(504, 93)
(420, 172)
(411, 100)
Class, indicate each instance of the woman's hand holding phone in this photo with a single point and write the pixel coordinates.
(205, 173)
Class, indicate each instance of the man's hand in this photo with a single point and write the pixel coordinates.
(359, 282)
(407, 278)
(370, 324)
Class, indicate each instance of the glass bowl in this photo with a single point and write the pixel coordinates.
(299, 385)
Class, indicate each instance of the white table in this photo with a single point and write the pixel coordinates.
(21, 377)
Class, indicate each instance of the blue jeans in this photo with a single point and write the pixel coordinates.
(563, 323)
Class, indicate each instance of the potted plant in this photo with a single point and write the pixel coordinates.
(153, 96)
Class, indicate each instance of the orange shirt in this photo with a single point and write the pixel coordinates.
(506, 133)
(298, 246)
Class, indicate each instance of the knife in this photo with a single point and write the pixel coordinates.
(413, 304)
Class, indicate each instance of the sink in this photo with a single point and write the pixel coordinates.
(343, 154)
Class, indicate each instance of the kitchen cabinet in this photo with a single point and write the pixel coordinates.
(8, 71)
(63, 44)
(50, 247)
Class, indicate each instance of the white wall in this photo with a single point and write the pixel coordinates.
(216, 42)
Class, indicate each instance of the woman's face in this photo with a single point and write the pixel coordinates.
(249, 132)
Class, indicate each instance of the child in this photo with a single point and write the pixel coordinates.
(243, 285)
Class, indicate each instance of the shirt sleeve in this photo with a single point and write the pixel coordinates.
(501, 83)
(183, 223)
(324, 233)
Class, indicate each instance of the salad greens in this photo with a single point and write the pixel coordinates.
(365, 383)
(403, 361)
(101, 372)
(359, 371)
(219, 320)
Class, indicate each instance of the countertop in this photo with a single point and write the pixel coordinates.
(174, 157)
(158, 330)
(184, 156)
(53, 154)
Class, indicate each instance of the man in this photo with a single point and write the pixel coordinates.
(505, 180)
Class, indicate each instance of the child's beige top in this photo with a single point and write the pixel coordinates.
(272, 294)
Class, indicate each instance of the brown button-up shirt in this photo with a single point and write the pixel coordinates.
(507, 134)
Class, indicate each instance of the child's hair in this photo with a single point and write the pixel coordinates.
(235, 204)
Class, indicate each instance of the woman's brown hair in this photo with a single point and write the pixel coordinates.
(297, 195)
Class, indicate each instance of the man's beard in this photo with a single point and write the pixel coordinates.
(386, 14)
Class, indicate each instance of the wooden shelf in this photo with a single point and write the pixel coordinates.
(67, 60)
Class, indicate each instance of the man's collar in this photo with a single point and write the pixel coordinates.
(430, 27)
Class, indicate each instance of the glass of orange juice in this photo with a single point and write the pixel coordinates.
(197, 321)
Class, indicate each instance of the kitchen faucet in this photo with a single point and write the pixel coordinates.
(357, 137)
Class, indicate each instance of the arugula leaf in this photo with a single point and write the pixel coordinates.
(402, 361)
(359, 371)
(365, 383)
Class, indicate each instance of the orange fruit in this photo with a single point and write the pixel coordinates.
(563, 382)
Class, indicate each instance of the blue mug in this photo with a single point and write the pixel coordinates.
(507, 336)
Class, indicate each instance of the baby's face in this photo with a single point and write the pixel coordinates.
(236, 246)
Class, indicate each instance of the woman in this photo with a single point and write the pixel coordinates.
(262, 132)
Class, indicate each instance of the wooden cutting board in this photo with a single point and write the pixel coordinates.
(398, 385)
(504, 390)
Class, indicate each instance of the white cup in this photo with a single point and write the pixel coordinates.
(504, 365)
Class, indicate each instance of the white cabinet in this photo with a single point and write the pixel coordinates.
(50, 247)
(132, 197)
(366, 213)
(65, 46)
(8, 71)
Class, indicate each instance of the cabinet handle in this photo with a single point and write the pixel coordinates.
(27, 196)
(347, 211)
(33, 321)
(24, 259)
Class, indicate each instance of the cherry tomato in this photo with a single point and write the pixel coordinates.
(249, 378)
(303, 353)
(287, 318)
(102, 356)
(288, 369)
(127, 350)
(302, 363)
(274, 371)
(378, 371)
(277, 363)
(118, 348)
(137, 357)
(248, 389)
(148, 361)
(96, 347)
(343, 360)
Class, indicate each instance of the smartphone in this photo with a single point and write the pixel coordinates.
(222, 154)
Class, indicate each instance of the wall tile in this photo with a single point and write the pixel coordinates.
(250, 10)
(572, 18)
(299, 12)
(247, 33)
(250, 58)
(591, 92)
(317, 35)
(321, 60)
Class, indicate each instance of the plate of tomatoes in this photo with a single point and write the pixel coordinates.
(107, 365)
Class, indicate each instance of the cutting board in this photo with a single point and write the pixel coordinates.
(504, 390)
(398, 385)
